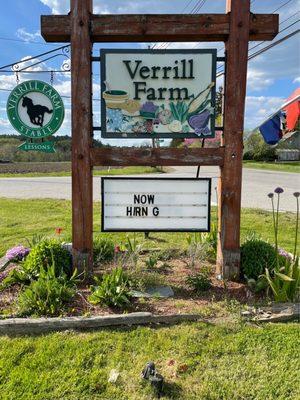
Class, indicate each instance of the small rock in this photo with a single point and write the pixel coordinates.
(158, 291)
(113, 376)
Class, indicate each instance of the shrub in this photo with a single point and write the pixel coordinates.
(256, 255)
(199, 282)
(113, 289)
(48, 294)
(46, 253)
(43, 255)
(103, 249)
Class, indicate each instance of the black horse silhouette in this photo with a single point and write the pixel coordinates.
(36, 112)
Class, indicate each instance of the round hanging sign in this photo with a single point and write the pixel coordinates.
(35, 109)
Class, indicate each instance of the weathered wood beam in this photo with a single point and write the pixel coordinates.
(82, 181)
(230, 182)
(118, 156)
(165, 27)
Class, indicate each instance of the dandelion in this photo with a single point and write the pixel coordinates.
(17, 253)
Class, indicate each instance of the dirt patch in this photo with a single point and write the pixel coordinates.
(172, 273)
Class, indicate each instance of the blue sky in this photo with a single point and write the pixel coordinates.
(272, 76)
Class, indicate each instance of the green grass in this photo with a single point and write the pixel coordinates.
(20, 219)
(274, 166)
(231, 361)
(117, 171)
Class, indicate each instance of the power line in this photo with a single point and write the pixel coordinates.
(27, 41)
(194, 10)
(264, 49)
(282, 30)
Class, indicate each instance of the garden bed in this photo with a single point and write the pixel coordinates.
(172, 273)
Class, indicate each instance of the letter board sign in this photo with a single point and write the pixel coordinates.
(155, 204)
(153, 93)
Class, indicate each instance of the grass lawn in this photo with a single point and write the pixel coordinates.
(274, 166)
(21, 219)
(229, 359)
(112, 171)
(197, 360)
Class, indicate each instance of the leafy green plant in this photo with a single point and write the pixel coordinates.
(256, 255)
(44, 254)
(285, 281)
(103, 249)
(200, 281)
(151, 262)
(48, 294)
(113, 289)
(35, 240)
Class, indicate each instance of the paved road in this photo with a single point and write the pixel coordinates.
(256, 185)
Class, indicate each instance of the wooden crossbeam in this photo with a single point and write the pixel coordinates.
(152, 157)
(165, 27)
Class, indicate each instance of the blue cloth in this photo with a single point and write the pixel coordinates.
(271, 129)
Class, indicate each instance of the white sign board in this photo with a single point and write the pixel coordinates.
(158, 93)
(155, 204)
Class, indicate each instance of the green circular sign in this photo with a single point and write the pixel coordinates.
(35, 109)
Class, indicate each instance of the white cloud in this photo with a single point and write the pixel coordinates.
(258, 108)
(297, 80)
(258, 80)
(27, 36)
(4, 122)
(57, 6)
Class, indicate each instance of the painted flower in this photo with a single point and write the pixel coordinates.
(149, 125)
(296, 194)
(17, 253)
(165, 117)
(271, 195)
(175, 126)
(278, 190)
(114, 119)
(149, 107)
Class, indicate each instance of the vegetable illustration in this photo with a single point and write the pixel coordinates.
(179, 110)
(199, 123)
(202, 97)
(175, 126)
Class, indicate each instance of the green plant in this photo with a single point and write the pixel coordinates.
(256, 255)
(103, 249)
(48, 294)
(35, 240)
(200, 281)
(151, 262)
(44, 254)
(113, 289)
(285, 281)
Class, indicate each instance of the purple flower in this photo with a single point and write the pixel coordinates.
(278, 190)
(17, 253)
(271, 195)
(296, 194)
(149, 106)
(3, 275)
(284, 253)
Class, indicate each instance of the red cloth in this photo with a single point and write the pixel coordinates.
(292, 111)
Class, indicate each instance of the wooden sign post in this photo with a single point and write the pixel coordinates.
(236, 28)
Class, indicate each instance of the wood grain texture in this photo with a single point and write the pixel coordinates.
(82, 181)
(21, 326)
(230, 181)
(118, 156)
(165, 27)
